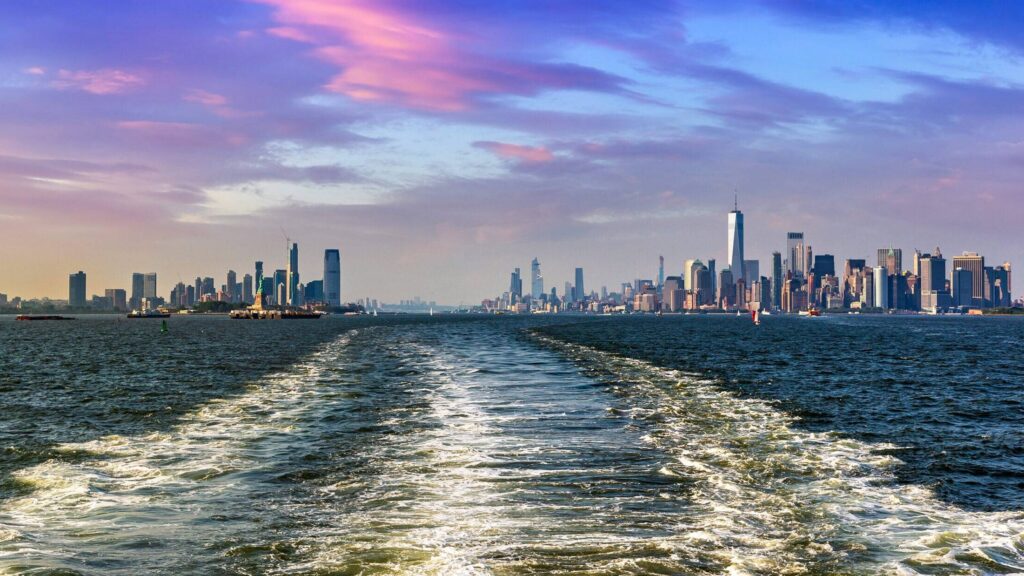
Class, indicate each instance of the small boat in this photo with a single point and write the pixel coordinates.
(148, 314)
(755, 315)
(810, 312)
(34, 317)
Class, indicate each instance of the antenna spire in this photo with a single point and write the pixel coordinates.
(735, 200)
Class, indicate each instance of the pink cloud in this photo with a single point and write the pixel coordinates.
(180, 133)
(526, 154)
(205, 98)
(103, 81)
(35, 71)
(387, 55)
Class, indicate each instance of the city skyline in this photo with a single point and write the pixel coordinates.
(427, 136)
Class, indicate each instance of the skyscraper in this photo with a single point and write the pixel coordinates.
(292, 283)
(891, 259)
(76, 290)
(777, 280)
(332, 277)
(149, 286)
(713, 273)
(795, 253)
(247, 296)
(963, 287)
(536, 281)
(976, 265)
(515, 288)
(661, 273)
(117, 298)
(736, 263)
(138, 290)
(881, 288)
(824, 265)
(752, 271)
(580, 294)
(280, 281)
(231, 281)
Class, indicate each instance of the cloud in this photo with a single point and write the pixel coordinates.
(527, 154)
(205, 98)
(388, 55)
(103, 81)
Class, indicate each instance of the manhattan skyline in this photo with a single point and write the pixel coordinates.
(450, 144)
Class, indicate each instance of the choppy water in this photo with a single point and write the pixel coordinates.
(512, 446)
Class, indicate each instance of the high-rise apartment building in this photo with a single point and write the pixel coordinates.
(118, 298)
(736, 244)
(76, 290)
(332, 277)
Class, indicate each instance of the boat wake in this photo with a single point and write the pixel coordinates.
(166, 495)
(784, 501)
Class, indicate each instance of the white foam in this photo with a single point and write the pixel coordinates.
(131, 488)
(780, 498)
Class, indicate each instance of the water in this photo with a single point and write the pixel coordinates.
(504, 446)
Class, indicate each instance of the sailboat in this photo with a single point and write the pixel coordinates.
(755, 315)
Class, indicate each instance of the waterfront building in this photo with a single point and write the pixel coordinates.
(1001, 295)
(580, 294)
(138, 289)
(536, 280)
(795, 253)
(76, 290)
(118, 298)
(776, 281)
(976, 264)
(735, 261)
(332, 277)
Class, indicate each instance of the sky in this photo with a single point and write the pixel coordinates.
(439, 144)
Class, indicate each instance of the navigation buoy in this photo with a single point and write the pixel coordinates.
(163, 326)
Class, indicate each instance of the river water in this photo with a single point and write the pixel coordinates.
(483, 445)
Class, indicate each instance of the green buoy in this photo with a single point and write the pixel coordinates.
(163, 326)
